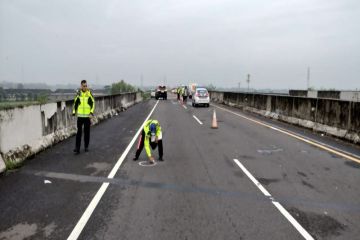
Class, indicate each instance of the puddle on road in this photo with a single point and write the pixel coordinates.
(19, 232)
(270, 150)
(320, 226)
(49, 229)
(24, 231)
(98, 167)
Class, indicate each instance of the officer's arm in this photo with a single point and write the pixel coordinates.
(147, 146)
(76, 103)
(93, 103)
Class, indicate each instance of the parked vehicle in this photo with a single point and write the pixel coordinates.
(201, 97)
(161, 92)
(152, 94)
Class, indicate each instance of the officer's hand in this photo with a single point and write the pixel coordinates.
(156, 139)
(152, 160)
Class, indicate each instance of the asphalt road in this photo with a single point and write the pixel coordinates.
(240, 181)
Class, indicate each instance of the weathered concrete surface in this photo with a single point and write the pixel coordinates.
(335, 117)
(28, 130)
(2, 165)
(353, 96)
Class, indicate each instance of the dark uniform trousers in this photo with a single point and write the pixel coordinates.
(153, 145)
(80, 122)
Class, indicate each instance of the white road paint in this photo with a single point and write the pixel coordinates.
(283, 211)
(300, 137)
(184, 106)
(197, 120)
(94, 202)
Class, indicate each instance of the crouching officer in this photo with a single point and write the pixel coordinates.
(151, 136)
(84, 105)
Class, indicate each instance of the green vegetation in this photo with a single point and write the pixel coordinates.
(122, 87)
(11, 165)
(146, 95)
(15, 104)
(42, 98)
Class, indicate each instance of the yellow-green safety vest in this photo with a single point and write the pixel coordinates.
(84, 104)
(148, 134)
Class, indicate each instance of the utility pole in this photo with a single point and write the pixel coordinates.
(308, 78)
(165, 80)
(248, 82)
(239, 83)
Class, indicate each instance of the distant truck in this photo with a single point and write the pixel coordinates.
(161, 92)
(192, 89)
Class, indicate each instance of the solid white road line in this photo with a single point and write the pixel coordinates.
(284, 212)
(94, 202)
(323, 146)
(197, 120)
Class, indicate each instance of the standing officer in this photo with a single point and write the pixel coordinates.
(151, 136)
(178, 90)
(84, 105)
(184, 94)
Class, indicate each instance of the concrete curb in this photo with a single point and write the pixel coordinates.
(2, 165)
(333, 131)
(21, 153)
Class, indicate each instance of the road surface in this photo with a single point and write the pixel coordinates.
(244, 180)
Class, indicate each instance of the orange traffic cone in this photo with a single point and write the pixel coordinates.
(214, 124)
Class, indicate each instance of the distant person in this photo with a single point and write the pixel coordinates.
(151, 136)
(178, 91)
(184, 94)
(83, 108)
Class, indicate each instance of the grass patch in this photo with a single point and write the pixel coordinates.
(146, 95)
(12, 165)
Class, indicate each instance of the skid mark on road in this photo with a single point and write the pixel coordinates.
(126, 182)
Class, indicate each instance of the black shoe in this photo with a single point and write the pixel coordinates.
(76, 151)
(135, 158)
(161, 159)
(86, 149)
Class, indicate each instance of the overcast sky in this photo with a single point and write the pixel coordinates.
(181, 41)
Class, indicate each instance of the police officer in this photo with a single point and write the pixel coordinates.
(84, 106)
(178, 90)
(151, 136)
(184, 93)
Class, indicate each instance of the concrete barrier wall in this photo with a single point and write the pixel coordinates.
(335, 117)
(25, 131)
